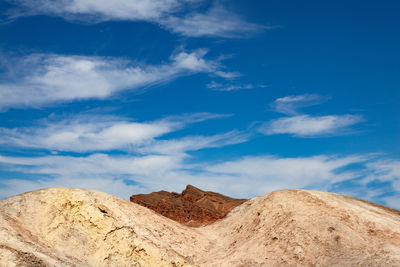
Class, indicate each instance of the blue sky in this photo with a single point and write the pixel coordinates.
(239, 97)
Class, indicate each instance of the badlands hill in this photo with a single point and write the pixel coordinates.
(193, 207)
(67, 227)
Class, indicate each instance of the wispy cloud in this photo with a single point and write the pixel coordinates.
(193, 143)
(97, 171)
(379, 181)
(84, 133)
(42, 79)
(148, 161)
(233, 86)
(301, 125)
(267, 173)
(241, 177)
(178, 16)
(311, 126)
(216, 22)
(96, 11)
(290, 105)
(386, 170)
(143, 157)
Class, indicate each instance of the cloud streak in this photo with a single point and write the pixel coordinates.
(290, 105)
(178, 16)
(43, 79)
(146, 161)
(216, 22)
(96, 11)
(301, 125)
(311, 126)
(82, 133)
(248, 176)
(194, 143)
(228, 87)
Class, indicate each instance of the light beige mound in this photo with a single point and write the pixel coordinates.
(66, 227)
(306, 228)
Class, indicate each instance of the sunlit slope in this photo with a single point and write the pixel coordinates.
(80, 227)
(298, 227)
(67, 227)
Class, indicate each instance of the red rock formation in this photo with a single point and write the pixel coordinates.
(193, 207)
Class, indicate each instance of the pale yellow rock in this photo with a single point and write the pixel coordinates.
(67, 227)
(87, 228)
(306, 228)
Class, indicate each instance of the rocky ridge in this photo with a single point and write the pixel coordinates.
(193, 207)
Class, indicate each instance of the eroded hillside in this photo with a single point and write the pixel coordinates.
(67, 227)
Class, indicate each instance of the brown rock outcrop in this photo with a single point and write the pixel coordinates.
(193, 207)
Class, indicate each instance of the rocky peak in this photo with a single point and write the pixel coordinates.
(193, 206)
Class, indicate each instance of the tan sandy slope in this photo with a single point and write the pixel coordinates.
(66, 227)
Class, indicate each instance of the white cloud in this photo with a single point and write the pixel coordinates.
(310, 126)
(233, 86)
(101, 10)
(152, 172)
(289, 105)
(386, 170)
(95, 165)
(241, 177)
(379, 180)
(301, 125)
(216, 22)
(267, 173)
(178, 16)
(244, 177)
(82, 133)
(155, 163)
(193, 143)
(38, 80)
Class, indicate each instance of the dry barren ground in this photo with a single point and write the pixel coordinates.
(67, 227)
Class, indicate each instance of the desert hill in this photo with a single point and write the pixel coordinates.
(67, 227)
(193, 207)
